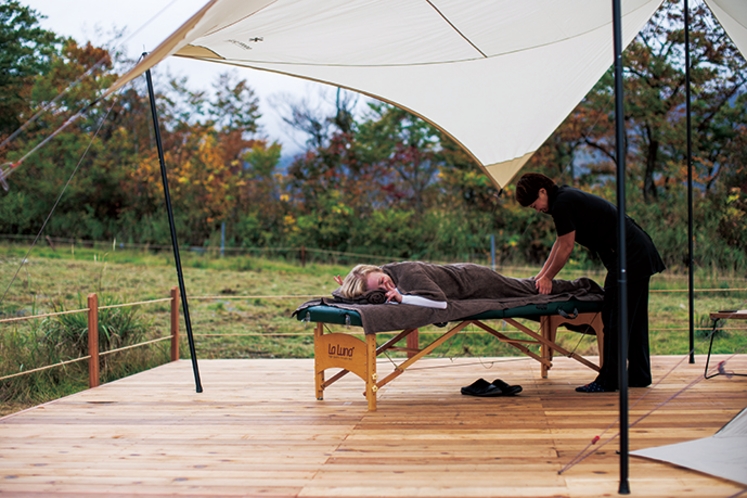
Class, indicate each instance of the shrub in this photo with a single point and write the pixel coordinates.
(67, 334)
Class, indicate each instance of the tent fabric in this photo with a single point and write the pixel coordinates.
(723, 455)
(497, 76)
(732, 15)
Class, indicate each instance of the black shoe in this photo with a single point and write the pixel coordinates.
(477, 388)
(506, 389)
(593, 387)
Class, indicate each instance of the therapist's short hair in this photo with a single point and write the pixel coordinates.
(529, 185)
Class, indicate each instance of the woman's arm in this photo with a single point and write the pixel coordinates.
(395, 297)
(561, 251)
(422, 301)
(548, 261)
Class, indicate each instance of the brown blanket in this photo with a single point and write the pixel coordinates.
(392, 317)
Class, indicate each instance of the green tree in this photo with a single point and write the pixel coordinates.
(261, 208)
(582, 150)
(406, 149)
(26, 51)
(204, 149)
(654, 91)
(330, 187)
(90, 202)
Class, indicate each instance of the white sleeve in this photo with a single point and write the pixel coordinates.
(422, 301)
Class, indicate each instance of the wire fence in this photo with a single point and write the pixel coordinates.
(307, 255)
(302, 255)
(92, 335)
(94, 356)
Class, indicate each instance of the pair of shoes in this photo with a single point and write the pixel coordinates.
(592, 387)
(485, 389)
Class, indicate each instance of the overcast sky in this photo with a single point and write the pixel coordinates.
(147, 23)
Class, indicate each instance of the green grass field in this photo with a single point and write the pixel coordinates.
(241, 307)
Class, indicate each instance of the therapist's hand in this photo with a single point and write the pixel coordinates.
(543, 285)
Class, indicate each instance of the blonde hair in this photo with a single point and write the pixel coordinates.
(354, 284)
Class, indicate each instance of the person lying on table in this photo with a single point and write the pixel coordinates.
(431, 285)
(592, 222)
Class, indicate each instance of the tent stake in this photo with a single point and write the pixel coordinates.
(174, 243)
(622, 283)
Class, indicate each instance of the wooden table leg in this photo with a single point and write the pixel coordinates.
(371, 377)
(318, 371)
(548, 332)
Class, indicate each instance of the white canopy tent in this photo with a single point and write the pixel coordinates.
(732, 14)
(498, 76)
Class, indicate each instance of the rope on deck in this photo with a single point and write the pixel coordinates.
(585, 452)
(738, 493)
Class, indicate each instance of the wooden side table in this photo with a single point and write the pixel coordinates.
(715, 317)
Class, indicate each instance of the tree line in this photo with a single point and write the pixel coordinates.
(382, 182)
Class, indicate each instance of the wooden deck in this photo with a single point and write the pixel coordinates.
(257, 430)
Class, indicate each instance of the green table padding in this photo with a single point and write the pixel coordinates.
(331, 314)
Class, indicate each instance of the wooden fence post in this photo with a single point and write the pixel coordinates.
(174, 324)
(93, 340)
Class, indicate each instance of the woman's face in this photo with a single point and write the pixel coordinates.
(379, 280)
(542, 203)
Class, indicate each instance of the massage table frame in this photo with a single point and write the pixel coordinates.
(351, 354)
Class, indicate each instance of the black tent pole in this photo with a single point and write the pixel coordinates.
(177, 260)
(622, 283)
(690, 231)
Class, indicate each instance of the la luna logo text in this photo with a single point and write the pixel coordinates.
(337, 350)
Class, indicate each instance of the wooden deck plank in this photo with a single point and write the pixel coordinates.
(257, 430)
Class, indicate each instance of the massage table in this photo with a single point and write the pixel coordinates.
(351, 354)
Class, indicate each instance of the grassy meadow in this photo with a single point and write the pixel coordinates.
(241, 306)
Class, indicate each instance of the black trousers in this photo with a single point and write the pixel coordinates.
(639, 361)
